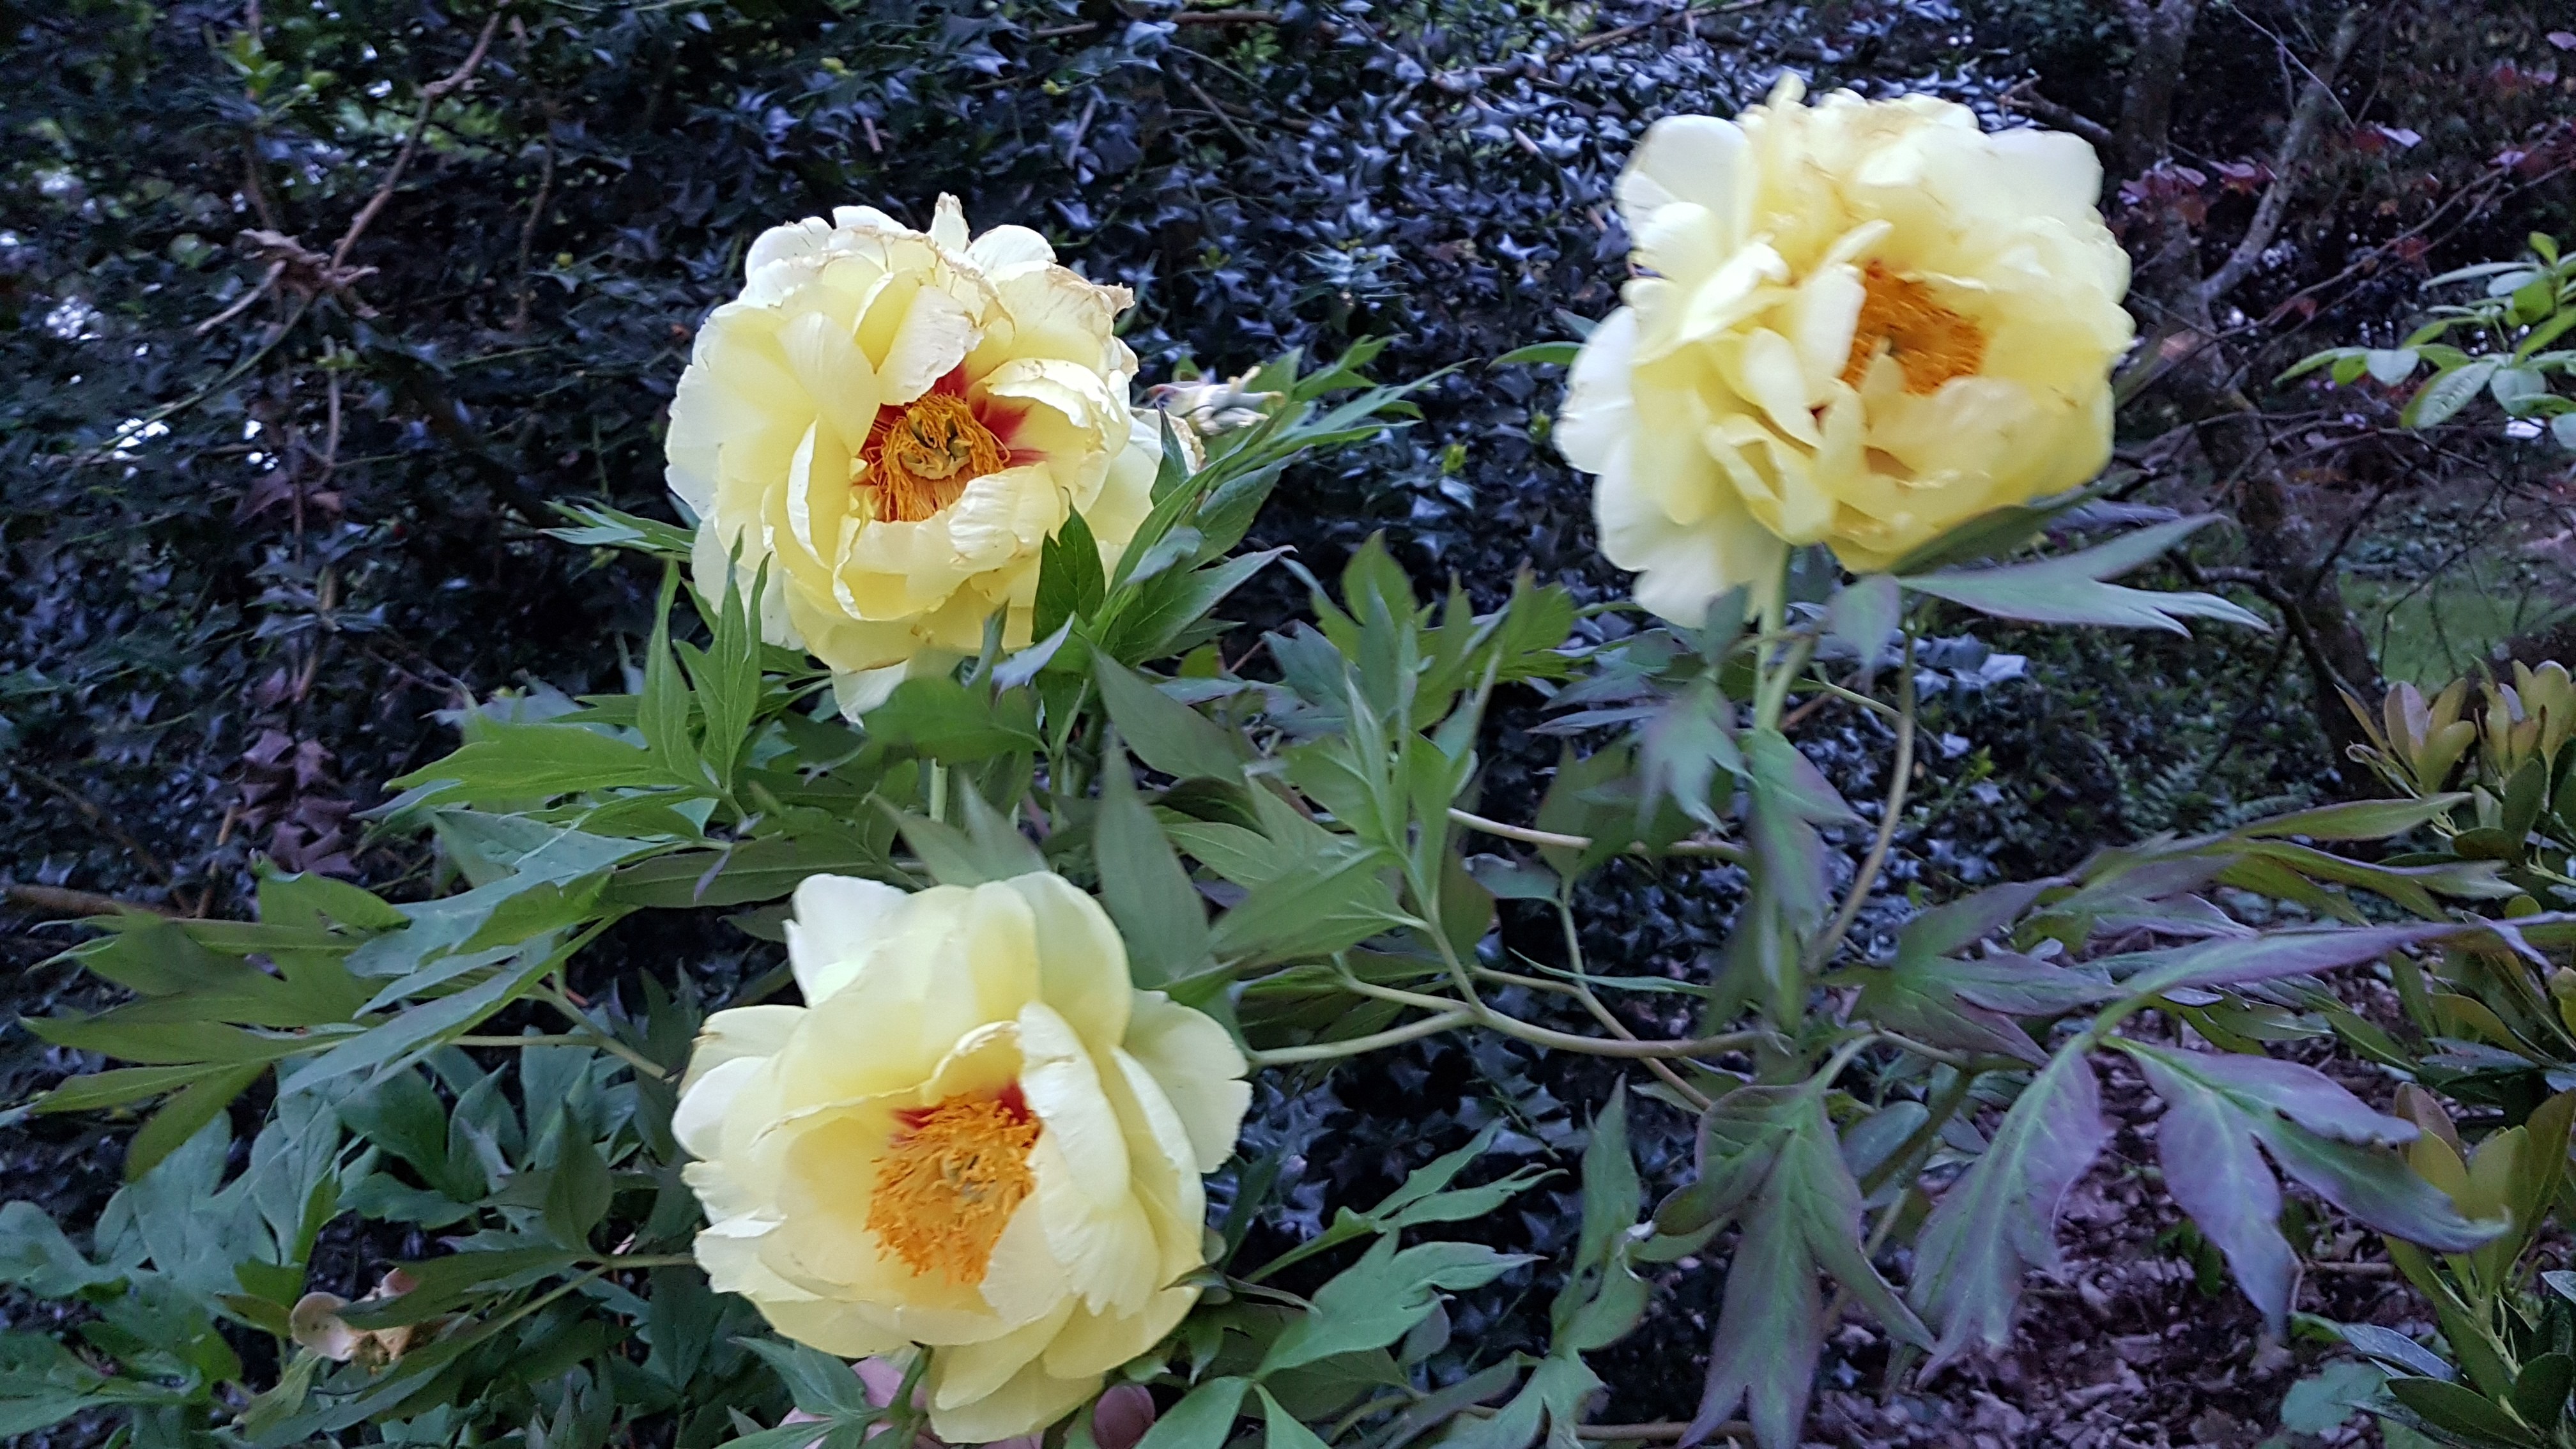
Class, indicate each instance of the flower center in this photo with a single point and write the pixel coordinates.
(950, 1180)
(920, 457)
(1929, 341)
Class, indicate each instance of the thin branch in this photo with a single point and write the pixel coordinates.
(2306, 119)
(430, 96)
(59, 899)
(2025, 96)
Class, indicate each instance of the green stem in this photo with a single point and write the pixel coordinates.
(601, 1037)
(1890, 813)
(1518, 1029)
(1354, 1046)
(1582, 989)
(1774, 695)
(619, 1262)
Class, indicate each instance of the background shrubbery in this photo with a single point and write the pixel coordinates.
(254, 539)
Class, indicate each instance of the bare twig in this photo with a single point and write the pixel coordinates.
(430, 95)
(106, 823)
(536, 218)
(2305, 121)
(2026, 97)
(60, 900)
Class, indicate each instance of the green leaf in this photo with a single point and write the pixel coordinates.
(440, 1284)
(936, 716)
(1143, 885)
(2071, 589)
(818, 1383)
(2462, 1411)
(1280, 1429)
(968, 857)
(1603, 1297)
(1999, 1219)
(2354, 819)
(35, 1255)
(1555, 354)
(178, 1120)
(1165, 733)
(1863, 613)
(1319, 905)
(664, 711)
(1070, 584)
(118, 1087)
(516, 762)
(1201, 1420)
(2445, 393)
(1682, 749)
(728, 677)
(1377, 1300)
(577, 1192)
(605, 527)
(766, 869)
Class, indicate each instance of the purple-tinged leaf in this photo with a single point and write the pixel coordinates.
(1965, 922)
(2213, 1173)
(1775, 765)
(2354, 819)
(2377, 1187)
(1968, 1005)
(2303, 1094)
(1769, 1331)
(2269, 957)
(1682, 749)
(1999, 1220)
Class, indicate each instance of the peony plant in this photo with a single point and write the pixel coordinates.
(1060, 885)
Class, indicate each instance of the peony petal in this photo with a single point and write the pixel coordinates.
(1599, 411)
(1090, 1344)
(948, 223)
(1696, 159)
(968, 1372)
(1006, 248)
(1029, 1402)
(1082, 960)
(1063, 1087)
(836, 920)
(834, 373)
(1199, 1068)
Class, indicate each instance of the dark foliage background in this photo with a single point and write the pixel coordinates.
(257, 534)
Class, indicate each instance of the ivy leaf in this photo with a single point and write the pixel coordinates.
(2073, 589)
(1999, 1220)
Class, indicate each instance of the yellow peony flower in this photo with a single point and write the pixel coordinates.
(895, 421)
(976, 1135)
(1857, 324)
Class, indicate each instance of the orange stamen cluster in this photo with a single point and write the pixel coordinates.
(920, 457)
(951, 1177)
(1929, 341)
